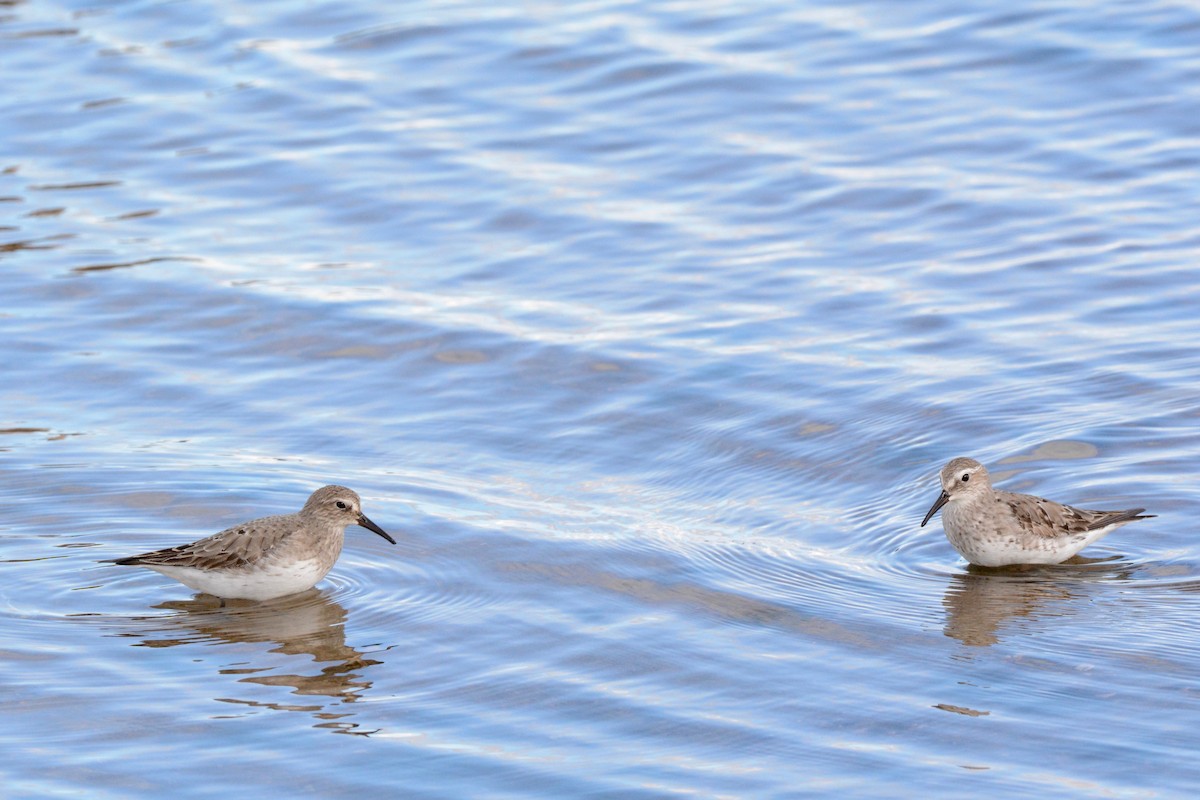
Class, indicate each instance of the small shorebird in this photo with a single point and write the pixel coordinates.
(993, 528)
(267, 557)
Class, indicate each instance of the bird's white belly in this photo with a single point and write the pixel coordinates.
(261, 582)
(981, 541)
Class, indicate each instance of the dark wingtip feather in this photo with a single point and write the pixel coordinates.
(1114, 517)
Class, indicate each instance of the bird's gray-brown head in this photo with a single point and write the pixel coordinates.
(341, 506)
(962, 479)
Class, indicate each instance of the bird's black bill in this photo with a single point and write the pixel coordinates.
(941, 501)
(371, 526)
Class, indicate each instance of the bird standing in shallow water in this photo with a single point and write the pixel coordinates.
(268, 557)
(994, 528)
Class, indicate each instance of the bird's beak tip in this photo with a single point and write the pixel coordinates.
(363, 522)
(943, 498)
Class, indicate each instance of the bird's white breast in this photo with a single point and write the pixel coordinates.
(260, 582)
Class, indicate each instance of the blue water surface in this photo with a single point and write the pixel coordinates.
(645, 328)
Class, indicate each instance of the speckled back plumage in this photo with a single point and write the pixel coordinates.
(1041, 517)
(238, 547)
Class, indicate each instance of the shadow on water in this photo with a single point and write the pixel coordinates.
(308, 624)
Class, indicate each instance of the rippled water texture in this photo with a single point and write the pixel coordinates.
(646, 329)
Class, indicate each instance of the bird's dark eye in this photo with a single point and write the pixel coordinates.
(966, 477)
(340, 504)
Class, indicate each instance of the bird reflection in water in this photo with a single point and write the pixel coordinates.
(307, 624)
(980, 601)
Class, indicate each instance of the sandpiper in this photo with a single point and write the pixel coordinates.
(267, 557)
(994, 528)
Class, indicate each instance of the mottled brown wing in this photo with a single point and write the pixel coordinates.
(239, 546)
(1048, 519)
